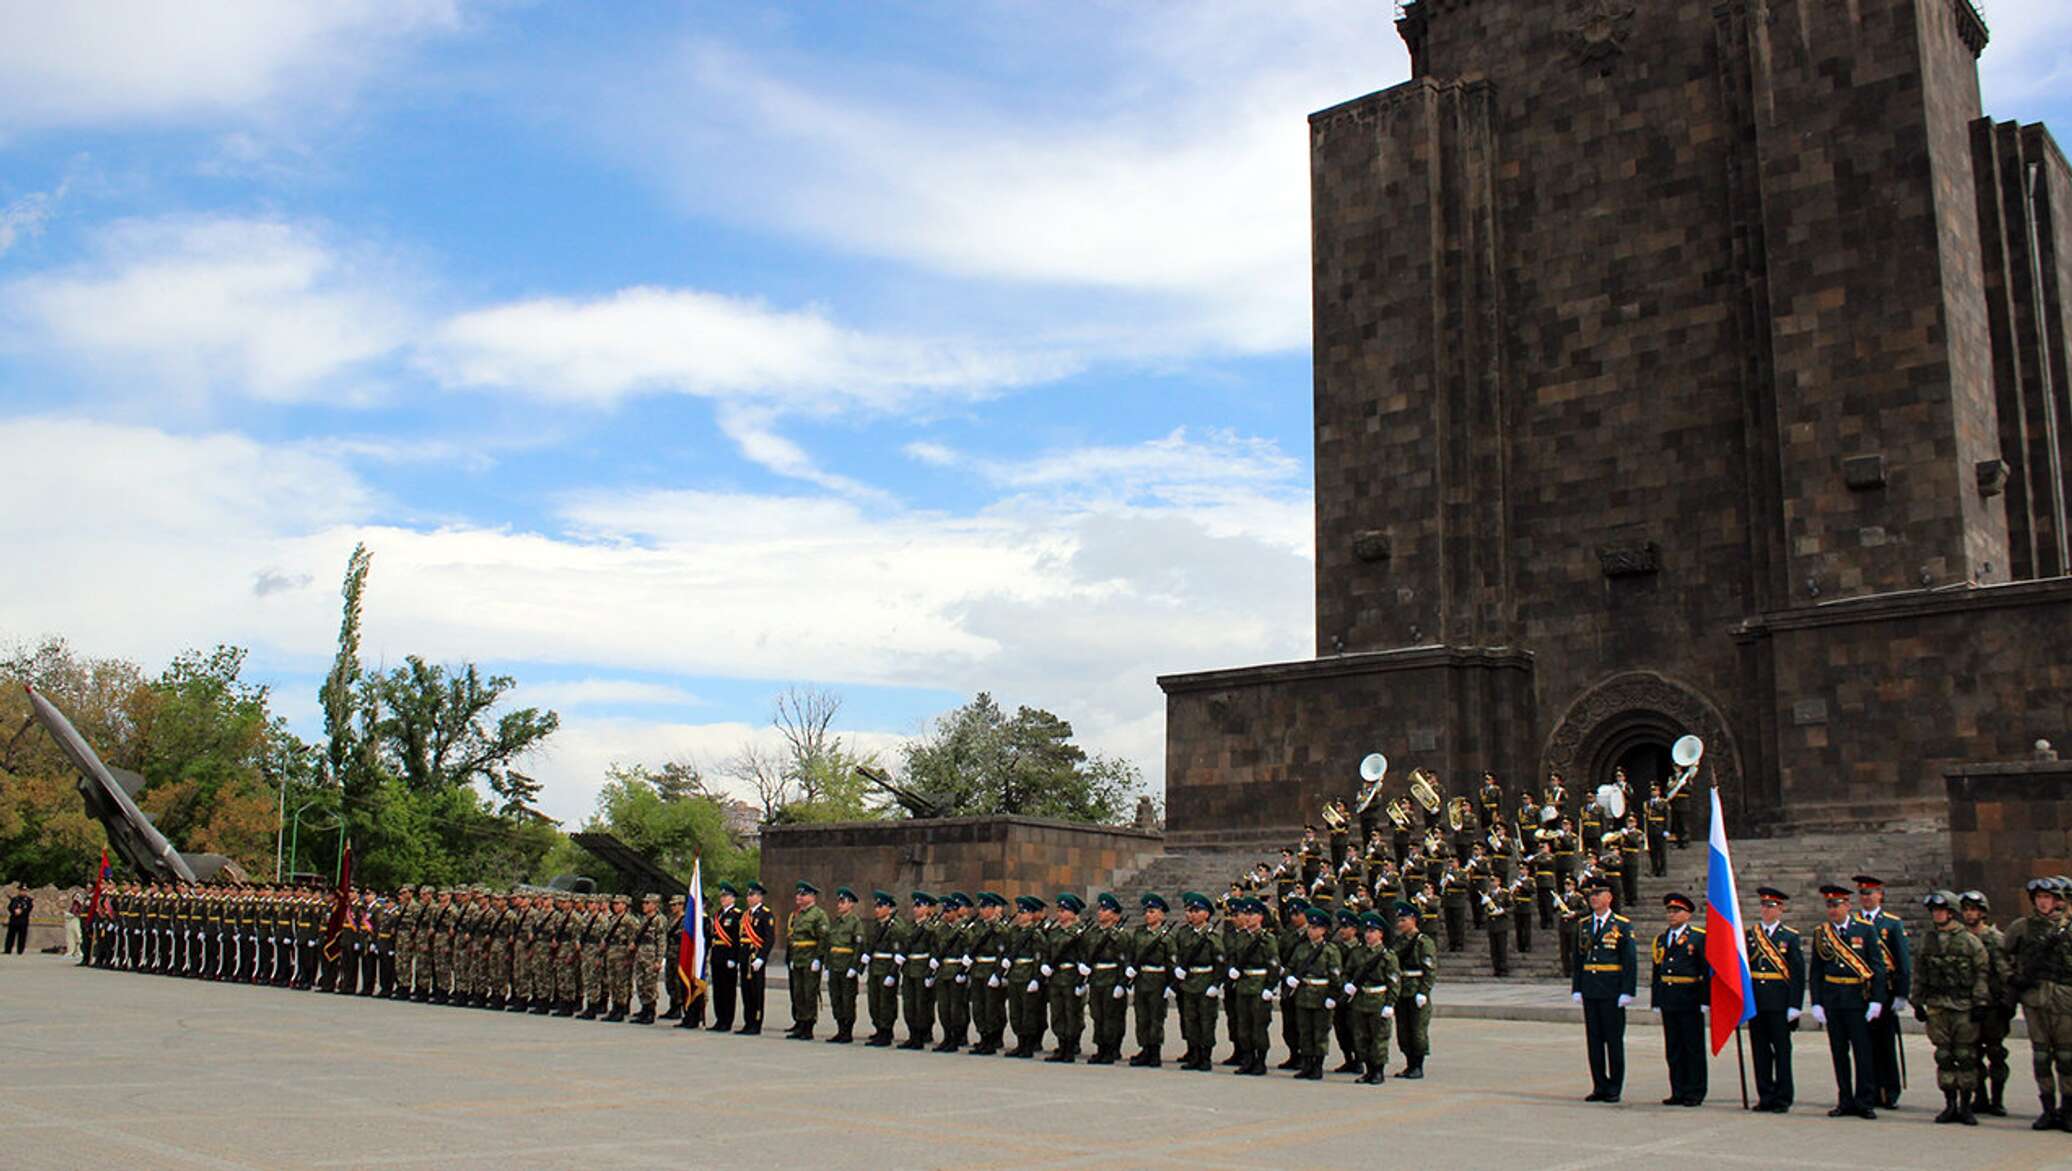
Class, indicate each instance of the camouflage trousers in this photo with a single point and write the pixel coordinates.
(568, 975)
(441, 974)
(2050, 1047)
(496, 967)
(1955, 1037)
(521, 970)
(594, 993)
(647, 978)
(619, 969)
(1992, 1042)
(539, 973)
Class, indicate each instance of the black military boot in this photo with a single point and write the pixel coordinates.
(1256, 1066)
(1373, 1077)
(1350, 1065)
(690, 1022)
(1101, 1056)
(1412, 1071)
(674, 1013)
(589, 1013)
(1966, 1114)
(2048, 1120)
(881, 1039)
(1949, 1110)
(1993, 1105)
(1063, 1056)
(617, 1014)
(1152, 1060)
(1293, 1062)
(915, 1042)
(542, 1006)
(844, 1035)
(494, 1004)
(519, 1004)
(1237, 1057)
(646, 1016)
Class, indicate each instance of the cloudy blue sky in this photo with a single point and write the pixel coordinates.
(667, 353)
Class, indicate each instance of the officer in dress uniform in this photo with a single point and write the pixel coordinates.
(1678, 992)
(758, 934)
(723, 947)
(1899, 968)
(1777, 961)
(1604, 979)
(1847, 983)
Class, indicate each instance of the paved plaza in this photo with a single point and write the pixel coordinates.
(109, 1069)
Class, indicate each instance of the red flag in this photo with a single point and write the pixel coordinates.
(93, 902)
(341, 908)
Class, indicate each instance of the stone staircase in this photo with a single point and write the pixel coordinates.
(1911, 862)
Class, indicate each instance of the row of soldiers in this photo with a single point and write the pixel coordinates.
(1965, 980)
(533, 951)
(976, 969)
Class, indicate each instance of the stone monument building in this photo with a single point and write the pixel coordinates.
(1680, 366)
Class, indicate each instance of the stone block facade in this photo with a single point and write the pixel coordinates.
(2009, 822)
(1694, 366)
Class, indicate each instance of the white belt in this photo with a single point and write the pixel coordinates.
(1152, 968)
(1255, 971)
(1198, 971)
(1105, 967)
(1317, 982)
(1377, 989)
(1413, 971)
(986, 959)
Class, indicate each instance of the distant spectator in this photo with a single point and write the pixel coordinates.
(18, 909)
(73, 913)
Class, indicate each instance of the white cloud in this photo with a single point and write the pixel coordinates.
(25, 216)
(114, 62)
(145, 543)
(685, 341)
(202, 306)
(596, 692)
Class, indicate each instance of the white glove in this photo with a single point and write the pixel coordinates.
(1899, 1005)
(965, 960)
(1215, 992)
(1790, 1015)
(933, 963)
(864, 959)
(1875, 1011)
(1351, 989)
(1233, 973)
(1330, 1002)
(1421, 1001)
(1705, 1010)
(1291, 981)
(899, 959)
(1266, 995)
(1576, 996)
(849, 975)
(891, 981)
(962, 978)
(1047, 971)
(1032, 986)
(1165, 993)
(730, 965)
(992, 981)
(1624, 1000)
(1079, 990)
(1387, 1011)
(1820, 1014)
(1118, 992)
(756, 964)
(928, 983)
(1086, 970)
(816, 965)
(1130, 973)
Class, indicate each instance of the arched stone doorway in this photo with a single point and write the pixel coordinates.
(1630, 720)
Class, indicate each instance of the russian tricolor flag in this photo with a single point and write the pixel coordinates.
(1726, 944)
(690, 943)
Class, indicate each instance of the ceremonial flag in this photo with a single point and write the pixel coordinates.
(101, 875)
(1726, 944)
(341, 906)
(690, 943)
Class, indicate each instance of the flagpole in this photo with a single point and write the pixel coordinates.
(1741, 1062)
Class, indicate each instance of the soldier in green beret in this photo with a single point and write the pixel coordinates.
(1025, 1003)
(1106, 947)
(1314, 972)
(1149, 969)
(918, 965)
(1345, 936)
(986, 944)
(953, 979)
(1253, 969)
(884, 954)
(1197, 952)
(845, 964)
(1066, 969)
(1372, 980)
(1417, 962)
(806, 933)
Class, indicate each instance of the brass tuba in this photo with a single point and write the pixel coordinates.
(1399, 813)
(1686, 752)
(1424, 787)
(1374, 768)
(1458, 812)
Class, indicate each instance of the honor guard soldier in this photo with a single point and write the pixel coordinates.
(1293, 931)
(1314, 970)
(917, 966)
(1656, 816)
(1992, 1034)
(1892, 939)
(1604, 979)
(884, 953)
(952, 985)
(1149, 971)
(2039, 953)
(1198, 974)
(1106, 946)
(758, 935)
(622, 945)
(1347, 938)
(805, 935)
(1497, 909)
(1953, 975)
(1065, 971)
(1417, 964)
(1372, 979)
(1253, 959)
(1678, 992)
(844, 965)
(1847, 983)
(1025, 991)
(1522, 912)
(1777, 962)
(723, 948)
(1489, 800)
(986, 943)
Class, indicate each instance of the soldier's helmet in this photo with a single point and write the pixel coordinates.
(1940, 898)
(1976, 898)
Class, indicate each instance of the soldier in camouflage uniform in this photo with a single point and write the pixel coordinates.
(502, 956)
(672, 978)
(593, 925)
(1952, 994)
(565, 930)
(519, 998)
(1197, 952)
(987, 946)
(1992, 1032)
(845, 964)
(1417, 961)
(407, 913)
(1065, 970)
(805, 954)
(1149, 970)
(1025, 993)
(2039, 950)
(439, 928)
(649, 934)
(621, 927)
(884, 953)
(467, 955)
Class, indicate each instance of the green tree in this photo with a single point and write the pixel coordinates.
(672, 830)
(436, 728)
(977, 760)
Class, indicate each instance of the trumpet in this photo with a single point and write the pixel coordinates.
(1458, 811)
(1424, 787)
(1399, 813)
